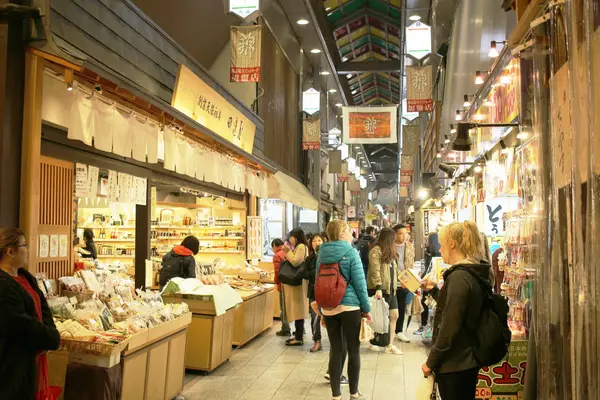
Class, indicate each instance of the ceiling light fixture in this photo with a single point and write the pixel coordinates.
(315, 51)
(354, 91)
(467, 103)
(494, 48)
(458, 115)
(452, 129)
(332, 91)
(324, 73)
(302, 22)
(447, 139)
(349, 76)
(478, 78)
(415, 17)
(339, 105)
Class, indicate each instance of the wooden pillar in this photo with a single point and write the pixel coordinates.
(252, 205)
(142, 237)
(31, 149)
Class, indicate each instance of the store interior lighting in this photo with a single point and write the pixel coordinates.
(446, 139)
(332, 90)
(479, 77)
(478, 168)
(423, 193)
(493, 53)
(467, 102)
(339, 105)
(449, 170)
(302, 22)
(325, 73)
(458, 115)
(504, 147)
(315, 51)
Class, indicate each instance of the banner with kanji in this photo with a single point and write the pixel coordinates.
(353, 185)
(245, 53)
(343, 177)
(311, 134)
(410, 140)
(370, 125)
(419, 85)
(406, 165)
(505, 380)
(403, 191)
(335, 162)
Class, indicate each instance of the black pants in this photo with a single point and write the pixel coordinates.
(343, 356)
(458, 385)
(425, 312)
(315, 322)
(299, 334)
(346, 326)
(401, 294)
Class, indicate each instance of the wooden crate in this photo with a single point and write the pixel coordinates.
(209, 341)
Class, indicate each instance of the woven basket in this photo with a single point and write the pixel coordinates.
(97, 348)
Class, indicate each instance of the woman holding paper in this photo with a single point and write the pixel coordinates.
(382, 280)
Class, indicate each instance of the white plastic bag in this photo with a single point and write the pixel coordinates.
(425, 388)
(366, 333)
(380, 312)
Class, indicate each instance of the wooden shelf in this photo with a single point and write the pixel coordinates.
(195, 228)
(115, 257)
(203, 238)
(220, 252)
(106, 227)
(113, 240)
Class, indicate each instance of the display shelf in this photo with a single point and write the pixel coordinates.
(220, 252)
(113, 240)
(203, 238)
(106, 227)
(115, 257)
(196, 227)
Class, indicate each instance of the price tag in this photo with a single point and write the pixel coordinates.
(504, 397)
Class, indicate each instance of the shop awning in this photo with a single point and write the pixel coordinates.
(286, 188)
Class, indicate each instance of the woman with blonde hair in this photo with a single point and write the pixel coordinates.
(382, 279)
(459, 307)
(343, 322)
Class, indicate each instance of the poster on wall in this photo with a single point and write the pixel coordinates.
(311, 134)
(44, 246)
(54, 246)
(245, 53)
(505, 380)
(81, 180)
(370, 125)
(419, 88)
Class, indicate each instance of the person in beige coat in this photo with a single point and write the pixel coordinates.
(382, 280)
(296, 297)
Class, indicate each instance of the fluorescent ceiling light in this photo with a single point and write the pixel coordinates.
(415, 17)
(302, 22)
(349, 76)
(332, 90)
(339, 105)
(324, 73)
(315, 51)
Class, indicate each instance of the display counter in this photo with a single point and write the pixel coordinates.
(268, 266)
(151, 365)
(253, 316)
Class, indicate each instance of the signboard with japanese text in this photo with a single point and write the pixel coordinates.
(311, 101)
(418, 40)
(419, 84)
(561, 127)
(504, 97)
(311, 134)
(493, 214)
(196, 99)
(406, 165)
(370, 125)
(243, 8)
(343, 177)
(410, 140)
(245, 53)
(506, 379)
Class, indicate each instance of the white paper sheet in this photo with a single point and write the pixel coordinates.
(63, 245)
(81, 180)
(44, 246)
(92, 181)
(113, 186)
(54, 246)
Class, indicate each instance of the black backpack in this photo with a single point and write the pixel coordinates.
(491, 339)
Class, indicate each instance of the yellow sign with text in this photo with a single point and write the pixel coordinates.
(196, 99)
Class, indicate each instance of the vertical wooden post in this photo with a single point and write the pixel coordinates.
(142, 237)
(31, 151)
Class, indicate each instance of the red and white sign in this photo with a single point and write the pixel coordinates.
(245, 53)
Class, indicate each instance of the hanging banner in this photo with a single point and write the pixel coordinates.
(403, 192)
(92, 181)
(343, 177)
(419, 84)
(405, 179)
(311, 134)
(410, 140)
(418, 40)
(370, 125)
(353, 185)
(335, 162)
(406, 165)
(245, 53)
(199, 101)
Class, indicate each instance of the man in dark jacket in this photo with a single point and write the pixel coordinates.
(364, 246)
(180, 261)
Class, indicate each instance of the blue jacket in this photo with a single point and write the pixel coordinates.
(351, 268)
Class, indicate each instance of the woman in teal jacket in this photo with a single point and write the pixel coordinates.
(343, 322)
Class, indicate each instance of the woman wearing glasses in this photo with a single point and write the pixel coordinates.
(27, 330)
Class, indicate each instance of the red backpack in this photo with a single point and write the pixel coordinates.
(330, 286)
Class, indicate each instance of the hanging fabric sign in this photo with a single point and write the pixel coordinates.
(370, 125)
(353, 185)
(311, 134)
(410, 140)
(403, 191)
(245, 54)
(335, 162)
(406, 168)
(343, 177)
(419, 88)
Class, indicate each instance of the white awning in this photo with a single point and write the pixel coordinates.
(286, 188)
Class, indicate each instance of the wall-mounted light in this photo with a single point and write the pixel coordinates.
(449, 170)
(494, 48)
(525, 130)
(446, 139)
(458, 116)
(479, 77)
(423, 193)
(478, 169)
(70, 87)
(504, 147)
(467, 102)
(452, 129)
(463, 140)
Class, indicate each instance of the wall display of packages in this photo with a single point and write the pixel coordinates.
(254, 238)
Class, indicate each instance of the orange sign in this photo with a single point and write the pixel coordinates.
(371, 125)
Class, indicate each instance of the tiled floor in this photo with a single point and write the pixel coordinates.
(267, 369)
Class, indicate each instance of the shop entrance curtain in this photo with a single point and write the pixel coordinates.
(286, 188)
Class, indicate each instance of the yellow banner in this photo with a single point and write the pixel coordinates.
(196, 99)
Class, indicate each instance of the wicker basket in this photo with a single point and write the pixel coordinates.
(97, 348)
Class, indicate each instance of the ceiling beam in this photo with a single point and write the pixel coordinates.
(350, 67)
(369, 12)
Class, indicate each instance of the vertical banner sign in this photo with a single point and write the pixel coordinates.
(407, 166)
(370, 125)
(311, 101)
(419, 89)
(405, 180)
(335, 162)
(311, 134)
(403, 192)
(561, 127)
(343, 177)
(410, 140)
(418, 40)
(353, 185)
(245, 54)
(81, 180)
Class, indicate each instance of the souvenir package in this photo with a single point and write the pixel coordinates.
(62, 307)
(72, 284)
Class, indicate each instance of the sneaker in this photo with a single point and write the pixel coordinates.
(344, 381)
(393, 350)
(358, 396)
(419, 331)
(327, 377)
(376, 349)
(284, 333)
(402, 337)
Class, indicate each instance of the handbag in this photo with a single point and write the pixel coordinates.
(290, 275)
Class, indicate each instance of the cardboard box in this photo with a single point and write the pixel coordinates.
(411, 281)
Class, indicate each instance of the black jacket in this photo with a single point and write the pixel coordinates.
(175, 265)
(432, 250)
(311, 272)
(22, 335)
(456, 317)
(364, 246)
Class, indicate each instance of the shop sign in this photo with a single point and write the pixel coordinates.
(504, 95)
(245, 53)
(409, 116)
(493, 214)
(561, 127)
(403, 191)
(410, 140)
(311, 101)
(505, 380)
(370, 125)
(371, 217)
(353, 185)
(311, 134)
(243, 8)
(351, 212)
(81, 180)
(344, 176)
(406, 165)
(418, 40)
(335, 162)
(419, 84)
(196, 99)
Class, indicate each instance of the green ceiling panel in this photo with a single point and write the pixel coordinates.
(384, 7)
(346, 9)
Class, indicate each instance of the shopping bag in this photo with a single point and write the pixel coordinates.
(381, 339)
(366, 332)
(425, 390)
(380, 313)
